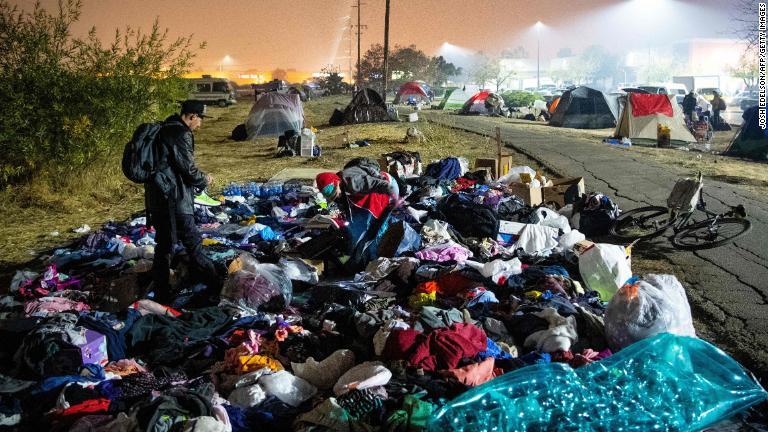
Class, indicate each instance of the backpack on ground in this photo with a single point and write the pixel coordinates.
(139, 156)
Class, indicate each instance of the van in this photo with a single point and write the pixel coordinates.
(213, 91)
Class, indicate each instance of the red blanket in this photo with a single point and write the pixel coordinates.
(650, 104)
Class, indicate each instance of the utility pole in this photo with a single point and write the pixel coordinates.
(359, 32)
(386, 50)
(349, 52)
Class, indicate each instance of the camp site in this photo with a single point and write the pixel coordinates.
(425, 215)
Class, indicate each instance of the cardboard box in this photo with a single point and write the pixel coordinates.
(492, 165)
(532, 197)
(564, 191)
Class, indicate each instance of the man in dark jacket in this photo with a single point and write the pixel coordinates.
(170, 198)
(689, 105)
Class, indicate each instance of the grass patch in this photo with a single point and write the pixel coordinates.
(32, 211)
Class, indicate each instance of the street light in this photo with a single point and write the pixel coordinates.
(226, 60)
(538, 27)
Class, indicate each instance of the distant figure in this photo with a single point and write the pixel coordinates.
(689, 105)
(171, 211)
(718, 104)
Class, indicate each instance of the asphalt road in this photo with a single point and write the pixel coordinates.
(727, 287)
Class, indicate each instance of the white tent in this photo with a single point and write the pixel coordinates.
(645, 126)
(273, 114)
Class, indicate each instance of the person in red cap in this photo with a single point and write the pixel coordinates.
(365, 195)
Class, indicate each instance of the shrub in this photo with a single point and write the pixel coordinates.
(69, 103)
(518, 98)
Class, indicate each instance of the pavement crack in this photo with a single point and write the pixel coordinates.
(738, 277)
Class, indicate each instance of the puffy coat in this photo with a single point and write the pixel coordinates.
(178, 176)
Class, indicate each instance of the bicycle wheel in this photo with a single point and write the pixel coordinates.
(707, 235)
(643, 222)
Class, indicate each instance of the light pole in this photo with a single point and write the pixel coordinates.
(538, 54)
(226, 60)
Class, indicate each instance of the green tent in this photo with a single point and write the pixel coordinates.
(454, 99)
(751, 142)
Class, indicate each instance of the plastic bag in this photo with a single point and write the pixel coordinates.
(254, 285)
(513, 176)
(569, 239)
(363, 376)
(605, 267)
(685, 195)
(553, 219)
(296, 269)
(652, 305)
(666, 382)
(289, 388)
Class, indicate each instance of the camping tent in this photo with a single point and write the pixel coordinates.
(412, 89)
(751, 141)
(643, 113)
(483, 102)
(273, 114)
(366, 106)
(585, 108)
(454, 99)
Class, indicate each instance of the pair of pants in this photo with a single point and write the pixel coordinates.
(202, 269)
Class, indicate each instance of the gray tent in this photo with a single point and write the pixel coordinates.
(273, 114)
(585, 108)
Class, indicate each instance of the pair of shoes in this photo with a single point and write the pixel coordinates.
(204, 200)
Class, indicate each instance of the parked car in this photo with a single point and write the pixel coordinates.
(653, 89)
(213, 91)
(745, 100)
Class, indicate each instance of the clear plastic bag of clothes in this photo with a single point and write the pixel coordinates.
(666, 382)
(257, 286)
(654, 304)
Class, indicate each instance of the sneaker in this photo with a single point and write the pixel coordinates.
(204, 200)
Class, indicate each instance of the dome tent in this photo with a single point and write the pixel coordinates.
(273, 114)
(585, 108)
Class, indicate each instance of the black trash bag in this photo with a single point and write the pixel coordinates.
(597, 214)
(239, 133)
(469, 218)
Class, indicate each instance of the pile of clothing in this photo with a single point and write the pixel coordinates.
(473, 309)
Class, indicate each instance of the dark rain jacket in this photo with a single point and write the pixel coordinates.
(689, 103)
(173, 188)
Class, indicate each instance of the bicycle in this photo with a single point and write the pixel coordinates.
(686, 197)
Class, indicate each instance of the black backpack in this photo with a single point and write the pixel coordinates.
(139, 156)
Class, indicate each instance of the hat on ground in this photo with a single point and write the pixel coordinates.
(193, 107)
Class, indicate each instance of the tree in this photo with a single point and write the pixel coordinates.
(519, 52)
(371, 67)
(595, 64)
(70, 104)
(279, 74)
(491, 71)
(408, 64)
(331, 81)
(747, 69)
(441, 71)
(405, 64)
(564, 52)
(744, 22)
